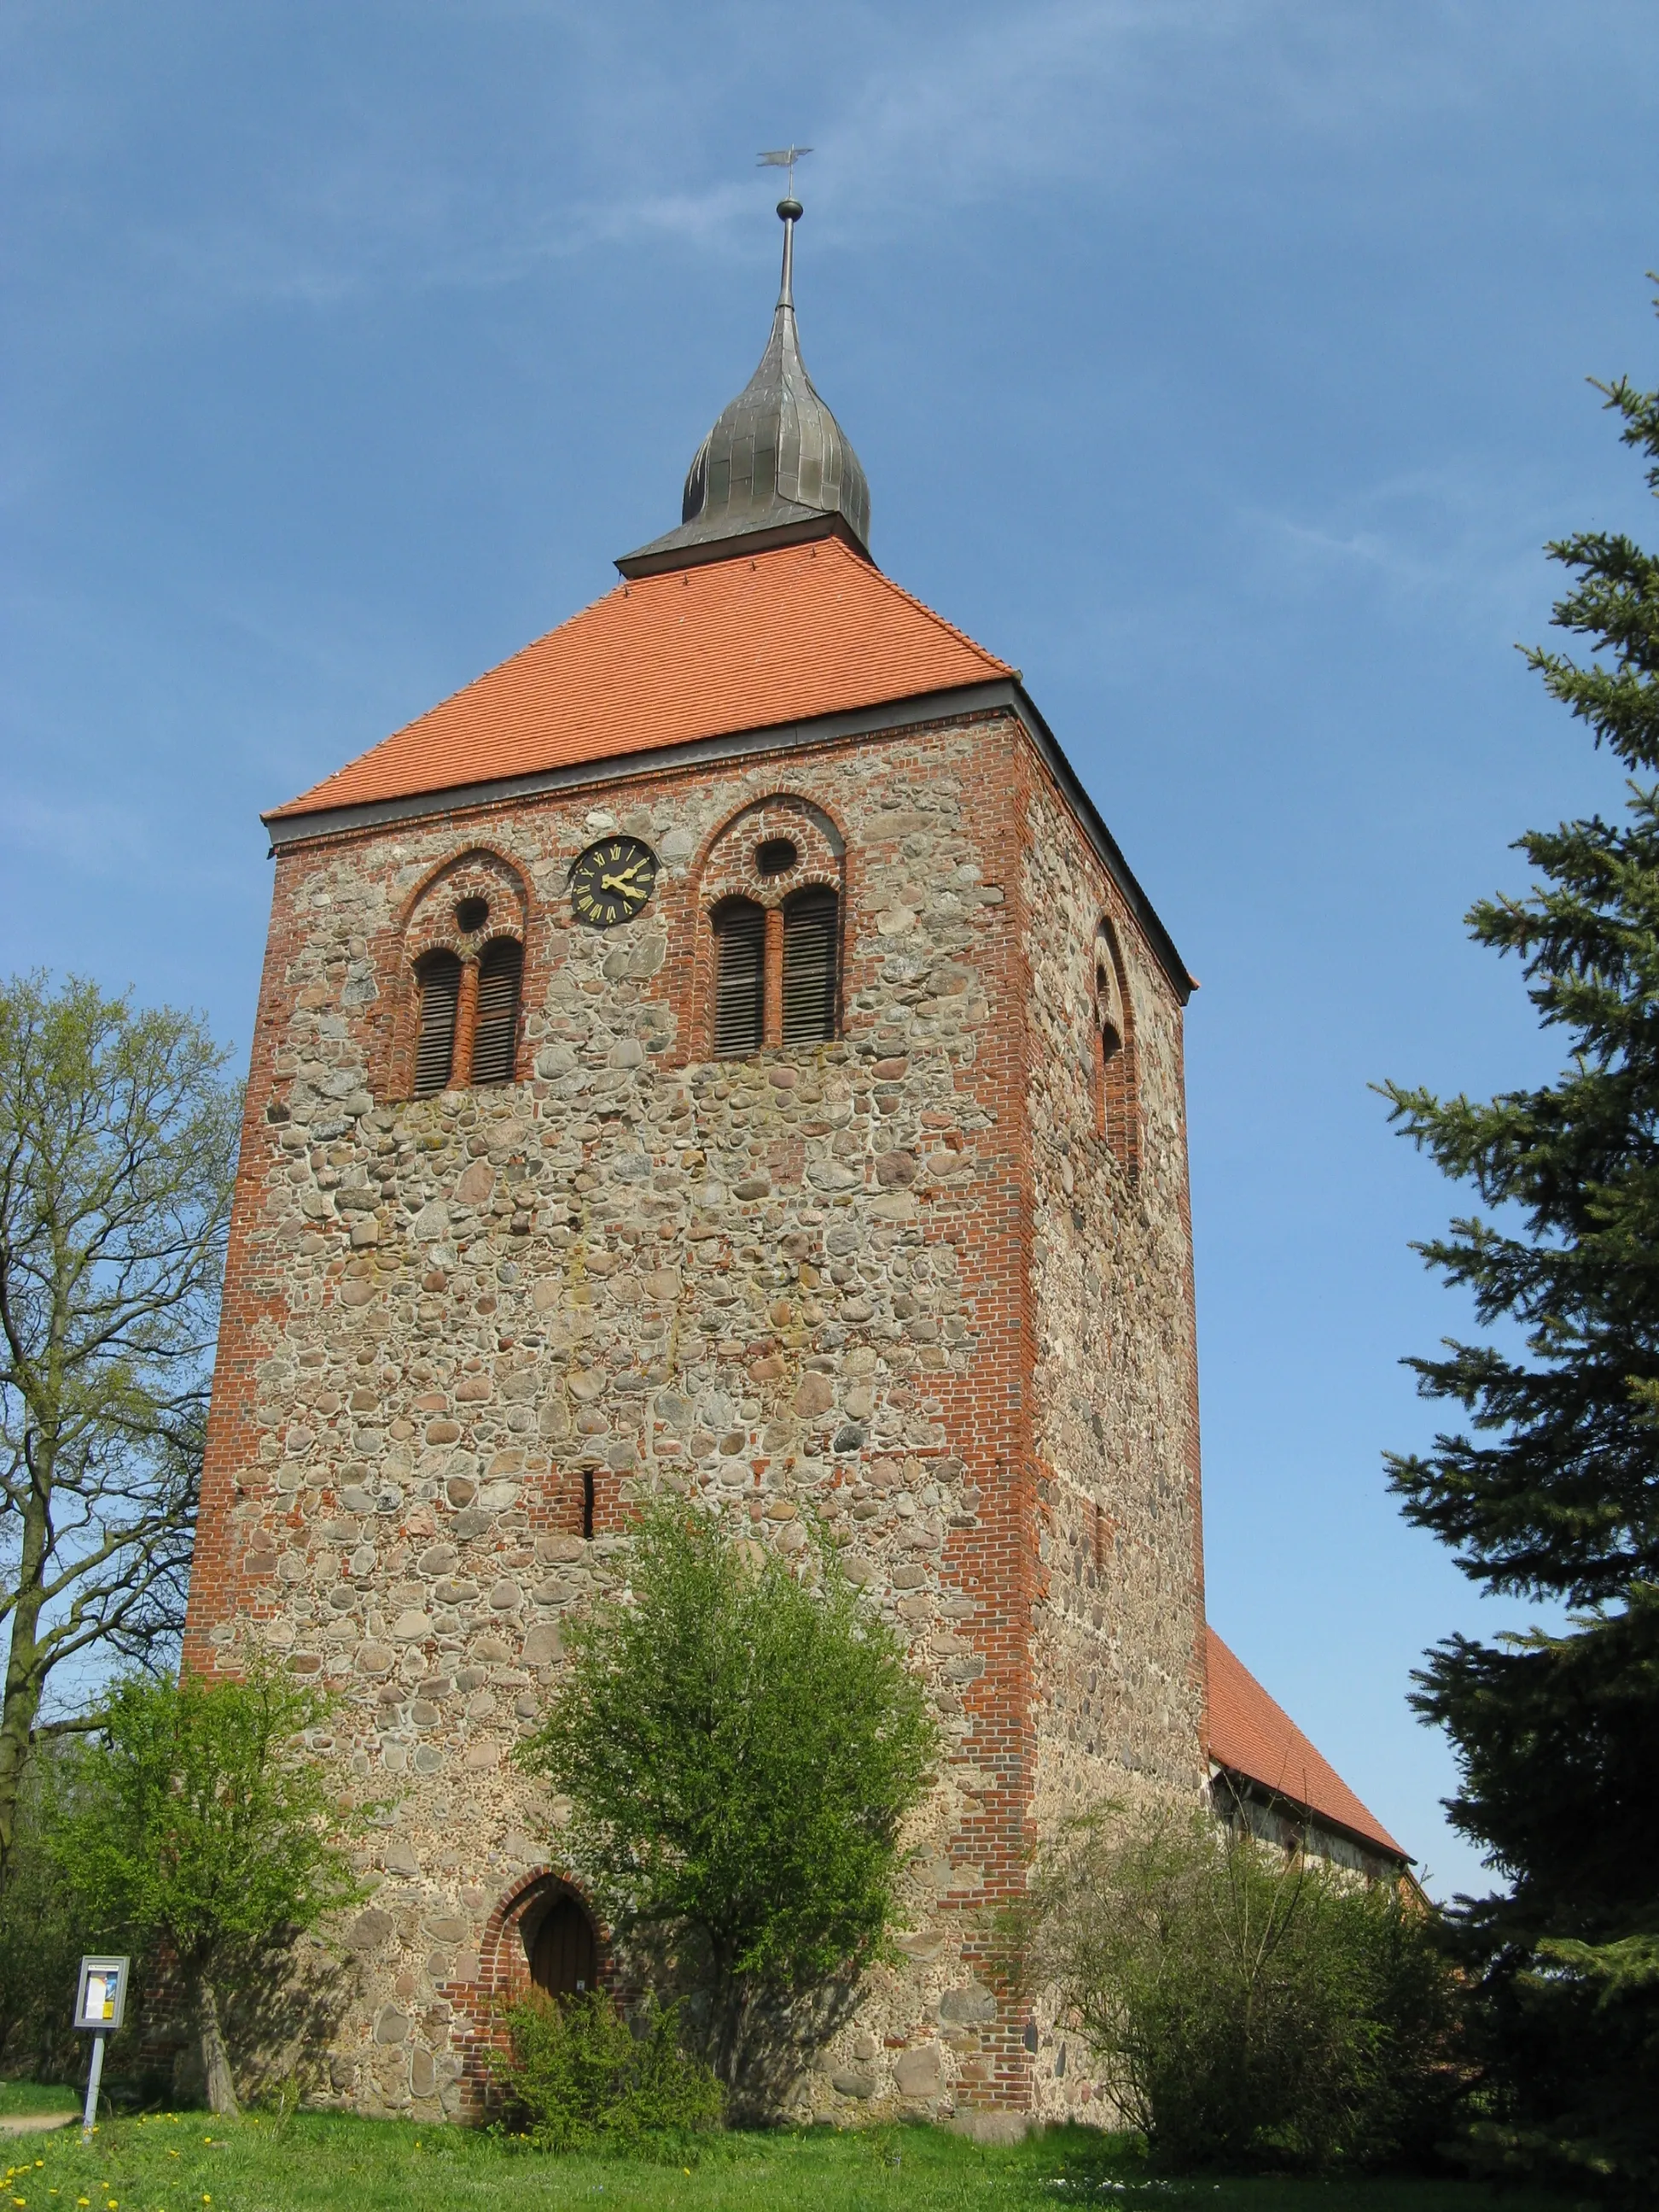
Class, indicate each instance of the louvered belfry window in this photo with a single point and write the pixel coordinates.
(739, 979)
(439, 976)
(810, 936)
(494, 1041)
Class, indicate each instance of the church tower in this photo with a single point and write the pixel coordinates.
(720, 1050)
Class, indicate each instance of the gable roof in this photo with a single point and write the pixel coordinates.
(1257, 1740)
(740, 644)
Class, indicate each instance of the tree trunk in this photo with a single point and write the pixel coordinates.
(216, 2064)
(21, 1702)
(734, 2001)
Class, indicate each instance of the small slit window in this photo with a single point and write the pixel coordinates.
(739, 980)
(810, 942)
(494, 1041)
(439, 976)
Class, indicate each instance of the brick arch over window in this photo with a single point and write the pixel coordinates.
(770, 913)
(1117, 1105)
(464, 944)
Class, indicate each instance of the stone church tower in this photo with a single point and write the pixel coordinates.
(722, 1049)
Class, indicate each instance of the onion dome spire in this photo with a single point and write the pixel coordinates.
(776, 468)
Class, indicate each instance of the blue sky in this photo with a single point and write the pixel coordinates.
(1219, 362)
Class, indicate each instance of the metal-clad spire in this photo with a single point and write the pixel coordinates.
(791, 211)
(776, 463)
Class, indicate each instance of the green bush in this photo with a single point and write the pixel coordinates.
(1247, 2008)
(742, 1739)
(43, 1932)
(582, 2079)
(207, 1831)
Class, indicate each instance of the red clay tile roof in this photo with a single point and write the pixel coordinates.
(1254, 1737)
(741, 644)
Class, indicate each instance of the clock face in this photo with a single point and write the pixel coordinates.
(612, 881)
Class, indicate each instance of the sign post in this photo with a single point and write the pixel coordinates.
(100, 1999)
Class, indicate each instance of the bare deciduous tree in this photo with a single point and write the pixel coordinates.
(117, 1151)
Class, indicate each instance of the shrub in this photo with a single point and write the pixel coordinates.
(741, 1744)
(1246, 2008)
(583, 2080)
(206, 1828)
(43, 1930)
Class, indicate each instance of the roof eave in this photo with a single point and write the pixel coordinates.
(685, 548)
(287, 829)
(1382, 1846)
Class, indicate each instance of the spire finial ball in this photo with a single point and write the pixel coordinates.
(790, 210)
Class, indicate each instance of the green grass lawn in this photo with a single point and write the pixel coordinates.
(20, 2097)
(188, 2162)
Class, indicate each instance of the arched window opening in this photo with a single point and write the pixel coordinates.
(810, 942)
(1116, 1107)
(439, 976)
(494, 1040)
(563, 1950)
(739, 979)
(1109, 1004)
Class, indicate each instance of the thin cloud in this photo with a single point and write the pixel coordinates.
(1091, 96)
(89, 837)
(1421, 533)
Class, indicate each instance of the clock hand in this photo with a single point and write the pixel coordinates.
(619, 884)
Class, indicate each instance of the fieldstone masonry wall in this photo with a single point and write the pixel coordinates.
(887, 1280)
(1118, 1633)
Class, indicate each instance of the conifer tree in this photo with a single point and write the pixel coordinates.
(1552, 1492)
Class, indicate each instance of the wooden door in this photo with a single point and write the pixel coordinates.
(564, 1957)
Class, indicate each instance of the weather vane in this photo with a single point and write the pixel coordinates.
(784, 157)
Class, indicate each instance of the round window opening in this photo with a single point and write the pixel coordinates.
(776, 856)
(472, 914)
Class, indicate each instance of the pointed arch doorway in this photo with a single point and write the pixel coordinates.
(562, 1947)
